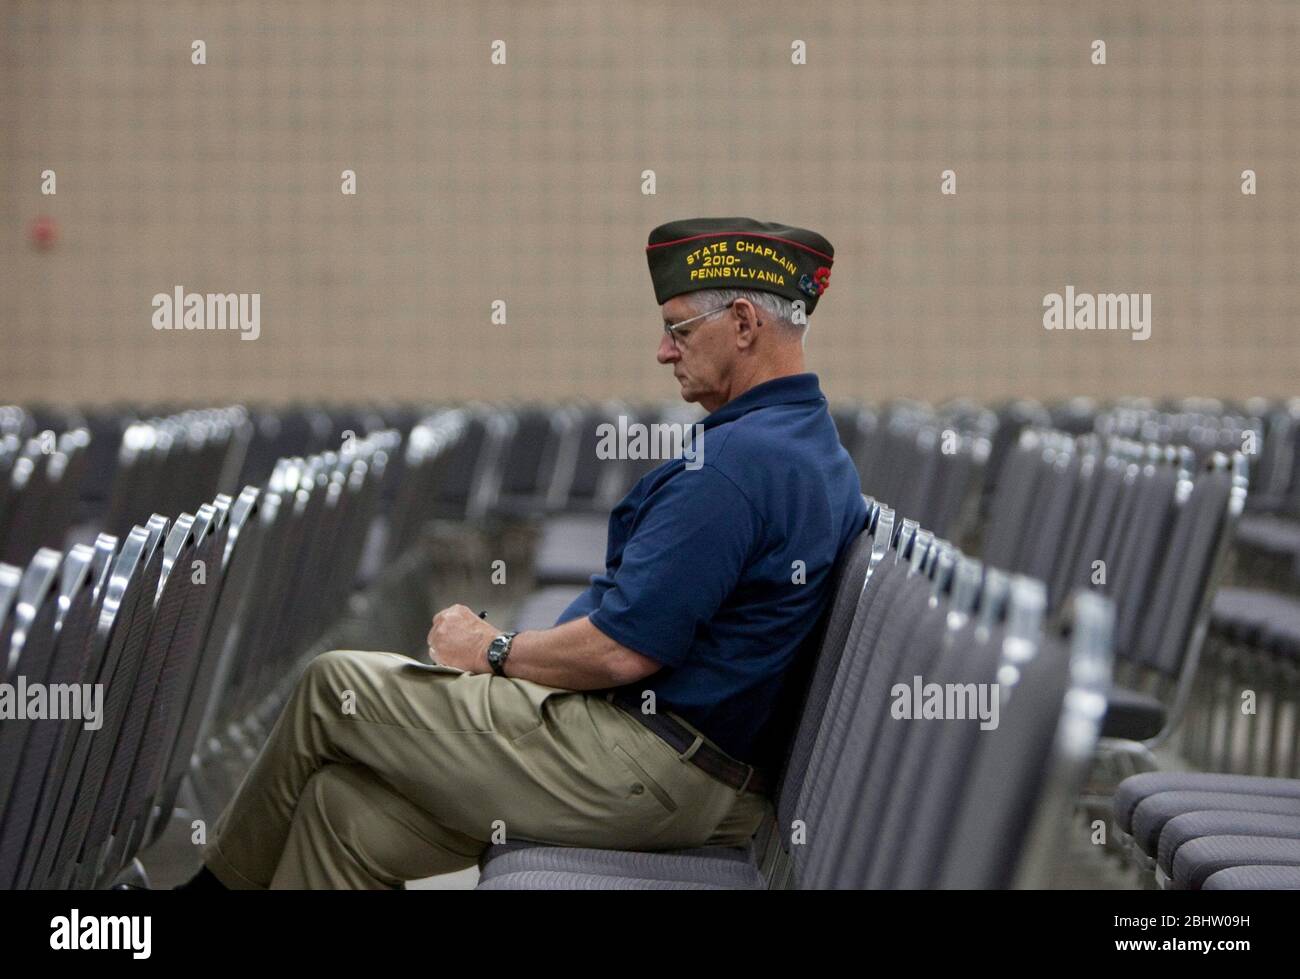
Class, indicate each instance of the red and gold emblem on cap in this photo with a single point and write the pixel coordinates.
(817, 284)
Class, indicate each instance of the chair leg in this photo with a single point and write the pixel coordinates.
(132, 878)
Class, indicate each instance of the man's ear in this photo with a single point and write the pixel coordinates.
(746, 322)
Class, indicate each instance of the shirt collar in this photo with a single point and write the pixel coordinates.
(791, 389)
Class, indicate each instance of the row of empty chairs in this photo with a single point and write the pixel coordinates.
(530, 460)
(431, 450)
(533, 460)
(68, 473)
(930, 462)
(171, 464)
(40, 481)
(1143, 523)
(1061, 489)
(1278, 474)
(302, 554)
(1162, 562)
(180, 625)
(868, 799)
(1204, 426)
(1211, 831)
(1244, 716)
(1266, 432)
(309, 429)
(59, 484)
(106, 616)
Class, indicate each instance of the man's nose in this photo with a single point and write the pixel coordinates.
(668, 351)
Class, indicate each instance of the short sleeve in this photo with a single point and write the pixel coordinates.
(586, 603)
(688, 551)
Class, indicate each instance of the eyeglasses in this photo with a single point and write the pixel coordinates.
(672, 328)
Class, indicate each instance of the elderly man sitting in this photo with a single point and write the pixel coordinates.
(382, 769)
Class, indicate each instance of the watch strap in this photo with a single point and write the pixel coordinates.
(501, 651)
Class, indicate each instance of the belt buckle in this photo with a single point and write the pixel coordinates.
(689, 753)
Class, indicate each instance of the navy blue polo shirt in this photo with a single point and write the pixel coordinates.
(721, 572)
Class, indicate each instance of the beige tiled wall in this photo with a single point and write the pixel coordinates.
(522, 182)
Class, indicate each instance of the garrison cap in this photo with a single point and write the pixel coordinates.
(739, 253)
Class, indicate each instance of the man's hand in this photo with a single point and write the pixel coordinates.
(460, 638)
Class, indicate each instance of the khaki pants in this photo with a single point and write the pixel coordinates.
(382, 769)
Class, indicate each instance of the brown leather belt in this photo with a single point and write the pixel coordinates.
(741, 777)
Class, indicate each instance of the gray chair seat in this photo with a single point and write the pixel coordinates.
(571, 550)
(1155, 811)
(1132, 715)
(1227, 822)
(1239, 614)
(1134, 789)
(1258, 618)
(731, 867)
(556, 880)
(1254, 878)
(1199, 859)
(1271, 534)
(1283, 634)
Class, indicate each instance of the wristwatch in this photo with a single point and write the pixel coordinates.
(498, 650)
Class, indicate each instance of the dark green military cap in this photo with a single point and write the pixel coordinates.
(739, 253)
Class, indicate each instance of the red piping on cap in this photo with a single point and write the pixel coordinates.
(751, 234)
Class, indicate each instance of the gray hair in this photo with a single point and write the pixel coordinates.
(777, 307)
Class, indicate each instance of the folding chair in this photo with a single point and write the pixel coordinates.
(132, 750)
(531, 461)
(27, 657)
(64, 665)
(179, 659)
(121, 633)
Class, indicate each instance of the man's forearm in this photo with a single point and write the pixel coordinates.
(575, 656)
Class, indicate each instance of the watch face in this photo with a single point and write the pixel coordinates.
(497, 650)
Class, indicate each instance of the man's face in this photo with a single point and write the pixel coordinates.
(703, 352)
